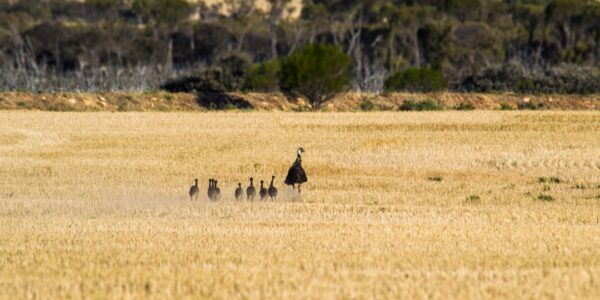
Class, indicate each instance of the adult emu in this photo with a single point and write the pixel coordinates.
(296, 174)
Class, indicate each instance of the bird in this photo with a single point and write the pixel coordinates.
(296, 174)
(211, 189)
(272, 189)
(251, 190)
(263, 191)
(194, 190)
(217, 191)
(239, 192)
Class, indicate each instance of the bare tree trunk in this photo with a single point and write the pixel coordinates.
(169, 62)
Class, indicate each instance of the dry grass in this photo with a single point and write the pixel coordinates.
(95, 205)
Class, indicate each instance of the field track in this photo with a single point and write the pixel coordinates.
(480, 204)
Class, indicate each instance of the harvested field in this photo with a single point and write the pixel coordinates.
(480, 204)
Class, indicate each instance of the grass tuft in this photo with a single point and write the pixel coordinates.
(473, 199)
(435, 178)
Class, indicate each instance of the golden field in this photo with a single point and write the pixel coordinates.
(95, 205)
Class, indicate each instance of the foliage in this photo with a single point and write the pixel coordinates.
(367, 105)
(226, 76)
(317, 72)
(545, 46)
(513, 77)
(416, 80)
(465, 106)
(505, 106)
(162, 11)
(263, 77)
(424, 105)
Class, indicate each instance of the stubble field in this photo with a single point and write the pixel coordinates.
(398, 205)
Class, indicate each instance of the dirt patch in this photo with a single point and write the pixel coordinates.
(163, 101)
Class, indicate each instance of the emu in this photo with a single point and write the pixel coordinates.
(217, 191)
(239, 192)
(211, 190)
(296, 174)
(272, 189)
(251, 190)
(263, 191)
(194, 190)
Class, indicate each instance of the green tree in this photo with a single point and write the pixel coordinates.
(263, 77)
(317, 72)
(416, 80)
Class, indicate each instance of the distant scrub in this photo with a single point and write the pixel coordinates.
(227, 75)
(411, 105)
(263, 77)
(513, 77)
(367, 105)
(416, 80)
(465, 106)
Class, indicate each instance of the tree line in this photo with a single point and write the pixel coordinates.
(541, 46)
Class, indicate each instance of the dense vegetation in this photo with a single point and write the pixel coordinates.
(466, 45)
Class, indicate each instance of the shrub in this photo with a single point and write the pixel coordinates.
(416, 80)
(569, 79)
(227, 75)
(367, 105)
(411, 105)
(316, 72)
(545, 198)
(465, 106)
(505, 106)
(263, 77)
(530, 106)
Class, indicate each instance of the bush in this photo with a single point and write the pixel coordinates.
(411, 105)
(316, 72)
(530, 106)
(512, 77)
(416, 80)
(505, 106)
(227, 75)
(465, 106)
(263, 77)
(367, 105)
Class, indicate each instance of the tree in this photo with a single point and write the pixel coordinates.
(263, 77)
(162, 16)
(416, 80)
(317, 72)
